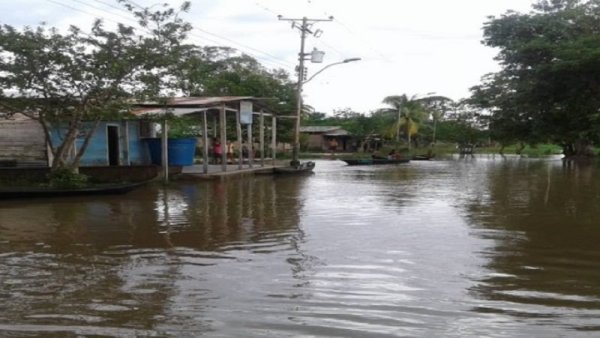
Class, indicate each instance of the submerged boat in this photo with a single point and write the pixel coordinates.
(102, 189)
(302, 168)
(374, 161)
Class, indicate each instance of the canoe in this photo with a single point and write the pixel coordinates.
(375, 161)
(422, 157)
(302, 168)
(103, 189)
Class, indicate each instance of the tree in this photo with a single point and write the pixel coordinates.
(224, 71)
(70, 82)
(411, 112)
(218, 71)
(549, 85)
(437, 106)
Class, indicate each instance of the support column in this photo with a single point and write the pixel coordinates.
(274, 138)
(165, 150)
(205, 158)
(261, 133)
(250, 146)
(126, 143)
(238, 129)
(223, 138)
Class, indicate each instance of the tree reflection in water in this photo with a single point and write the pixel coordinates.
(543, 219)
(115, 264)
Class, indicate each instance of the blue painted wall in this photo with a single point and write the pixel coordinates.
(96, 153)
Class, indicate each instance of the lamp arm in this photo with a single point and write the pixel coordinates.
(322, 69)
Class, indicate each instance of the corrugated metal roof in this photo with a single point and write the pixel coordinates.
(319, 129)
(199, 101)
(187, 105)
(339, 132)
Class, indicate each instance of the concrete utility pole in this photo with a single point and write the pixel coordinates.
(305, 27)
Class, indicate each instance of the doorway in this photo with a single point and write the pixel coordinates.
(112, 139)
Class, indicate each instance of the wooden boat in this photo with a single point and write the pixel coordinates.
(101, 189)
(375, 161)
(422, 157)
(302, 168)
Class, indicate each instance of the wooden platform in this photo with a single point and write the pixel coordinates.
(216, 171)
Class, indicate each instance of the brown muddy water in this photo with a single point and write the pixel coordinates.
(475, 247)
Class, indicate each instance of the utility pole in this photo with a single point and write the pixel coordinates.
(305, 28)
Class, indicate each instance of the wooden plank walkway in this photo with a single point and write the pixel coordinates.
(215, 170)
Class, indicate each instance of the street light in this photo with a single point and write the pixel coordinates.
(301, 82)
(329, 65)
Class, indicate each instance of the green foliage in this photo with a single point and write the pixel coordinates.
(69, 79)
(183, 127)
(218, 71)
(548, 87)
(66, 178)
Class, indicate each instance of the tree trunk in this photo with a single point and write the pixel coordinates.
(520, 148)
(580, 148)
(408, 125)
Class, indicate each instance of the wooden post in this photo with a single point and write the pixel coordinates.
(205, 143)
(250, 146)
(165, 150)
(261, 133)
(238, 128)
(274, 138)
(223, 138)
(126, 143)
(214, 129)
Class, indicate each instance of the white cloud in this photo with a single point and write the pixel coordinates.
(412, 47)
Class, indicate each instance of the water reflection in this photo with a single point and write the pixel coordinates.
(90, 265)
(475, 246)
(542, 218)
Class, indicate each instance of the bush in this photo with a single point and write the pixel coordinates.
(65, 178)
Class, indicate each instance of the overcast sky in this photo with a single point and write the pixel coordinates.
(407, 47)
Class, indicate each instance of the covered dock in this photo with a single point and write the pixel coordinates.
(214, 115)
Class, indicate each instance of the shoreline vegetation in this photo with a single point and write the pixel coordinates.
(441, 150)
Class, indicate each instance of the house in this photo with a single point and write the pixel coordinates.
(114, 143)
(126, 142)
(321, 138)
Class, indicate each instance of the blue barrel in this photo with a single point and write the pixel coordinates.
(181, 150)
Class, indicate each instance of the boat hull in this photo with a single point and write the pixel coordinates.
(28, 192)
(375, 161)
(301, 169)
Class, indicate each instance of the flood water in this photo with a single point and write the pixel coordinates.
(474, 247)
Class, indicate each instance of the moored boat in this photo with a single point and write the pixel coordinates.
(302, 168)
(422, 157)
(375, 161)
(101, 189)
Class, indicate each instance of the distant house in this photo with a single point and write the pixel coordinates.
(114, 143)
(321, 137)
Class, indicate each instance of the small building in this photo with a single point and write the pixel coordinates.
(323, 137)
(125, 142)
(114, 143)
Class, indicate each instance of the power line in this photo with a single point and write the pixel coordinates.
(271, 59)
(336, 20)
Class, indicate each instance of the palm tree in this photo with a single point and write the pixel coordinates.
(410, 114)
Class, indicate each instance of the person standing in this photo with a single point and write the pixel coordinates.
(333, 144)
(217, 150)
(230, 152)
